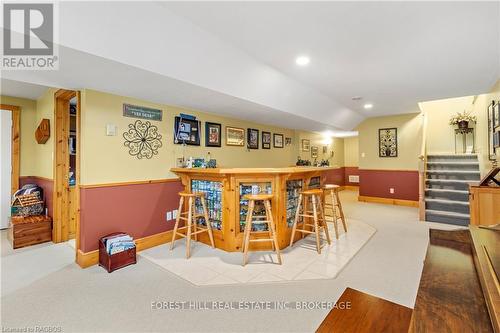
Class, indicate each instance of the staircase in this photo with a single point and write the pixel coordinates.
(447, 187)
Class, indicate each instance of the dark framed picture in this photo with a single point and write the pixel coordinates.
(278, 140)
(314, 152)
(491, 131)
(235, 136)
(288, 141)
(388, 142)
(186, 131)
(252, 138)
(496, 139)
(266, 140)
(306, 145)
(213, 134)
(496, 115)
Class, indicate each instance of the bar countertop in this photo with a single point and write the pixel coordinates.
(285, 170)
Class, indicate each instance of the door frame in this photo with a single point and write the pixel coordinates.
(60, 218)
(16, 145)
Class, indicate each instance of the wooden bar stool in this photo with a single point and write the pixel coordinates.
(251, 220)
(332, 191)
(193, 229)
(317, 216)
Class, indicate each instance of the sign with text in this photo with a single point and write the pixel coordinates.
(142, 112)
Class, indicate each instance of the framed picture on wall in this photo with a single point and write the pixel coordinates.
(252, 138)
(266, 140)
(288, 141)
(491, 131)
(306, 145)
(278, 140)
(213, 134)
(235, 136)
(496, 115)
(388, 142)
(314, 152)
(496, 139)
(187, 131)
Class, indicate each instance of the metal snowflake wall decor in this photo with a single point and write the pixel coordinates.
(142, 139)
(388, 142)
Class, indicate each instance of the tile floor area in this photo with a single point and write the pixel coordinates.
(208, 266)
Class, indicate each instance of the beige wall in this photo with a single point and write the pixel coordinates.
(45, 152)
(409, 142)
(351, 152)
(27, 132)
(36, 159)
(105, 159)
(440, 134)
(335, 145)
(480, 109)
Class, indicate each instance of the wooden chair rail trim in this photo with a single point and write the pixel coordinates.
(139, 182)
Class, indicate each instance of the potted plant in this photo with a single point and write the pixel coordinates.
(462, 119)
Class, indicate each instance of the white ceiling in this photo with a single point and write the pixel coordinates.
(21, 89)
(237, 59)
(393, 54)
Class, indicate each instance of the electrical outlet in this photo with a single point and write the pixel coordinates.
(174, 214)
(363, 154)
(169, 216)
(391, 190)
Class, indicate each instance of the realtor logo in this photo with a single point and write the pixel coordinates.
(29, 36)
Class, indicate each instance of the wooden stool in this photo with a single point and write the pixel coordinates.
(192, 228)
(266, 199)
(317, 216)
(333, 192)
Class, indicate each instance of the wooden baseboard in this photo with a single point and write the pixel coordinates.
(87, 259)
(350, 187)
(389, 201)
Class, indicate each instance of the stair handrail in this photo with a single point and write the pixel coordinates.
(422, 169)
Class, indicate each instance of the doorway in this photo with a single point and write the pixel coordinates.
(9, 159)
(66, 215)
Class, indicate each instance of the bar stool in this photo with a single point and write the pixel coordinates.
(332, 191)
(192, 228)
(317, 216)
(251, 220)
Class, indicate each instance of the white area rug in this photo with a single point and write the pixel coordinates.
(208, 266)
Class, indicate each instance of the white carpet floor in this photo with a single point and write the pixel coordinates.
(208, 266)
(91, 300)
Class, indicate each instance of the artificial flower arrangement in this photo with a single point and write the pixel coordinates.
(461, 117)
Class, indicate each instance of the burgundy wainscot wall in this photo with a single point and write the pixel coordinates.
(137, 209)
(376, 183)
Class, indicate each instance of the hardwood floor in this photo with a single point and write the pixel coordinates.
(360, 312)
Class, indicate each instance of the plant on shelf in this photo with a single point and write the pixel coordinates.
(462, 119)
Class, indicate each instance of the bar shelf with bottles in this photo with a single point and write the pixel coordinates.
(213, 199)
(227, 209)
(259, 209)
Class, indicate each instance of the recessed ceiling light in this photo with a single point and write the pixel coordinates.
(302, 60)
(368, 106)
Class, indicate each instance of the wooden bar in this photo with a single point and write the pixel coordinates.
(224, 188)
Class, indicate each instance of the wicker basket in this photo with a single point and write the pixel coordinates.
(27, 205)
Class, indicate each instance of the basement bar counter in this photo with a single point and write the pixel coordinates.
(224, 189)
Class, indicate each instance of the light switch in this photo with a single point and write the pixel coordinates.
(169, 216)
(110, 129)
(362, 154)
(174, 214)
(391, 190)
